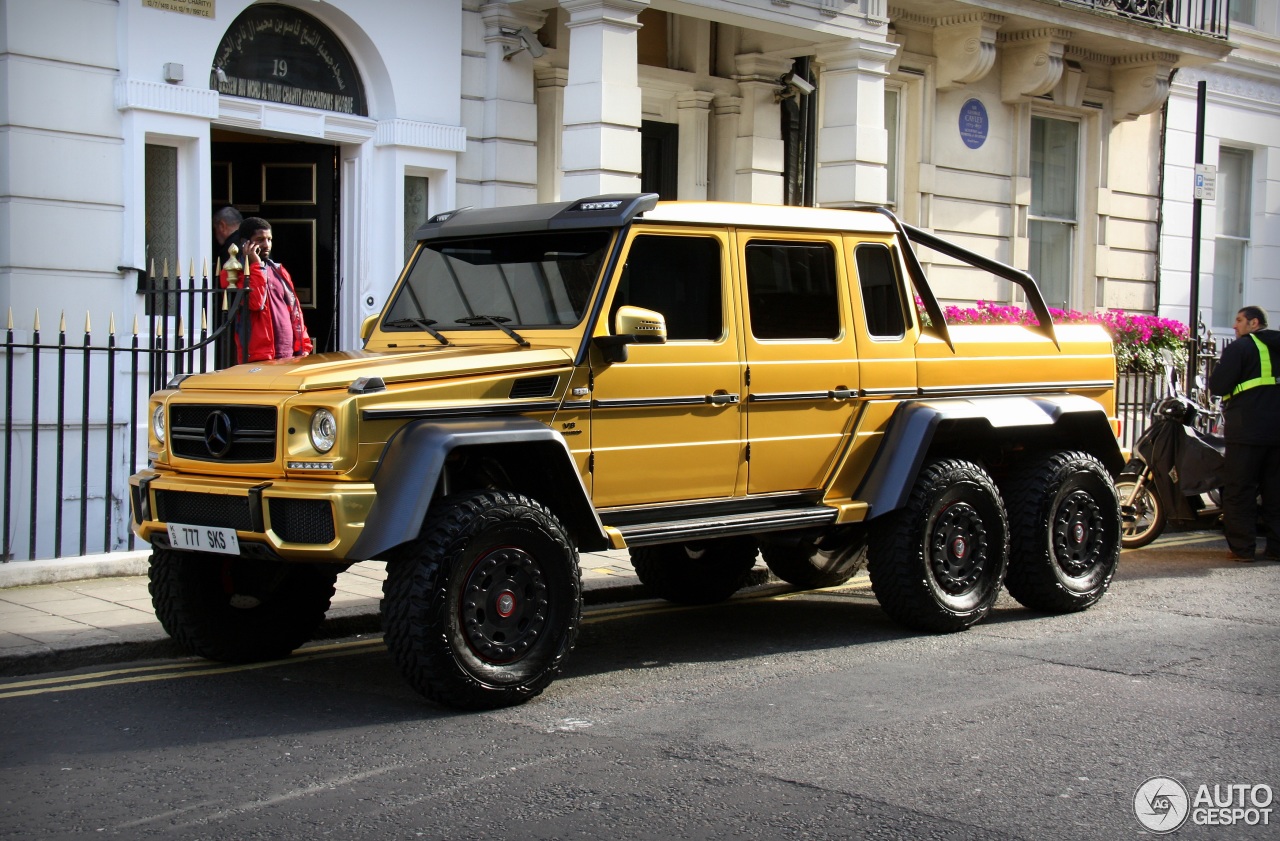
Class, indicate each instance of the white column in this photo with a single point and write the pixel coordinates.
(852, 153)
(758, 154)
(509, 132)
(601, 150)
(694, 115)
(727, 111)
(550, 82)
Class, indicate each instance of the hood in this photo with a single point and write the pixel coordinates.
(339, 370)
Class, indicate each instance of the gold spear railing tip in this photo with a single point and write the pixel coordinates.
(62, 322)
(204, 319)
(111, 324)
(36, 326)
(165, 274)
(10, 318)
(153, 267)
(182, 330)
(135, 325)
(87, 329)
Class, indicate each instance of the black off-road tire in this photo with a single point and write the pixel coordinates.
(238, 610)
(827, 562)
(484, 609)
(1065, 533)
(705, 572)
(937, 563)
(1148, 515)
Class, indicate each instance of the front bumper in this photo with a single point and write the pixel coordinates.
(286, 518)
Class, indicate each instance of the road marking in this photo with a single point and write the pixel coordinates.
(205, 668)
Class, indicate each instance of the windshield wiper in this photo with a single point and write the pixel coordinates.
(496, 321)
(424, 323)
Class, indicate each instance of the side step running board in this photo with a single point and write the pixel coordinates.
(647, 534)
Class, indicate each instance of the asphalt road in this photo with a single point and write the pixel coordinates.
(805, 716)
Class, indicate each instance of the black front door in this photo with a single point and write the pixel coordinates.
(294, 186)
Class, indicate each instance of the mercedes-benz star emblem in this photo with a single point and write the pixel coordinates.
(217, 434)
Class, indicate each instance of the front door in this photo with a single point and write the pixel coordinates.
(293, 186)
(666, 425)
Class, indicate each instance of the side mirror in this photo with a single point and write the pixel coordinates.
(632, 326)
(366, 327)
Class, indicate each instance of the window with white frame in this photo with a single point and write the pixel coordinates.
(1242, 11)
(1231, 245)
(892, 112)
(415, 210)
(1054, 214)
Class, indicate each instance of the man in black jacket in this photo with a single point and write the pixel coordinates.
(1248, 379)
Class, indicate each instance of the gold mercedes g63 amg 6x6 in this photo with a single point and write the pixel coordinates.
(695, 382)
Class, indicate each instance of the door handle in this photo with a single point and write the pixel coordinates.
(721, 399)
(841, 393)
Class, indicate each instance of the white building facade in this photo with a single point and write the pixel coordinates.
(1028, 131)
(1240, 223)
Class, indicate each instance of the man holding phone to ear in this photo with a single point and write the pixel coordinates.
(275, 326)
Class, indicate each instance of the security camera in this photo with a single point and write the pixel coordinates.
(527, 38)
(800, 83)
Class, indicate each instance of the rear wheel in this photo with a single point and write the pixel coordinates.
(696, 573)
(1143, 518)
(238, 610)
(937, 563)
(830, 560)
(485, 609)
(1065, 542)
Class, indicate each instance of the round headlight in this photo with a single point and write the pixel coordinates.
(157, 423)
(324, 430)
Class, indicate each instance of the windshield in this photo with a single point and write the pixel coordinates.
(518, 280)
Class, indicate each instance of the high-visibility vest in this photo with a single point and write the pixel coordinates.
(1264, 355)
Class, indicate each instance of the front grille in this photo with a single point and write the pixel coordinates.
(250, 434)
(302, 520)
(197, 509)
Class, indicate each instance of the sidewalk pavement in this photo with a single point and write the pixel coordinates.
(104, 613)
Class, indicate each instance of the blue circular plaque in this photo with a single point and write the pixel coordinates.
(974, 123)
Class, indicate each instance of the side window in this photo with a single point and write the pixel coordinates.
(678, 277)
(881, 295)
(791, 288)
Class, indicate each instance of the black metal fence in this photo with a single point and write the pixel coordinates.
(1137, 392)
(75, 436)
(1207, 17)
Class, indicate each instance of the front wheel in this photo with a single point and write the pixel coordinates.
(937, 563)
(1142, 514)
(237, 610)
(485, 609)
(1066, 533)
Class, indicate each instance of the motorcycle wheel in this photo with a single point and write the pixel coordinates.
(1143, 521)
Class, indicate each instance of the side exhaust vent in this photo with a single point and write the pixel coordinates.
(534, 387)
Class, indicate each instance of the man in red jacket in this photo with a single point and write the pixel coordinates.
(275, 326)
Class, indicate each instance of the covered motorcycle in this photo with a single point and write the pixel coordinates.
(1174, 465)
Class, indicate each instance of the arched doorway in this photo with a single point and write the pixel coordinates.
(279, 54)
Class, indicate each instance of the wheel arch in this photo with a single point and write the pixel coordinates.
(985, 427)
(413, 464)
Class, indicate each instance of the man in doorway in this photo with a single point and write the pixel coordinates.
(272, 325)
(225, 223)
(1247, 380)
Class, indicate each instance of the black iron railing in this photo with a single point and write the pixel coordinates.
(1206, 17)
(72, 440)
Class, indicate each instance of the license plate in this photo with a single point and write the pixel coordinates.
(203, 539)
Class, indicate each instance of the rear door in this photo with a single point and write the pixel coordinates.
(801, 357)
